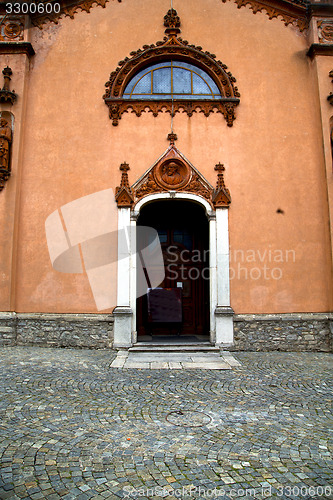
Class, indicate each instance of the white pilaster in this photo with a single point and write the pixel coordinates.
(133, 271)
(223, 311)
(123, 313)
(212, 275)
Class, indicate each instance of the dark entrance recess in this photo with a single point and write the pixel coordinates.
(183, 297)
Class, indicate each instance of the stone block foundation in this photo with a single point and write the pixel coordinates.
(283, 332)
(252, 332)
(57, 330)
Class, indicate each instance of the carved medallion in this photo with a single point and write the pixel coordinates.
(172, 174)
(325, 31)
(12, 29)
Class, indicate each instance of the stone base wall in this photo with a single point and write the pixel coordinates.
(283, 332)
(7, 328)
(57, 330)
(252, 332)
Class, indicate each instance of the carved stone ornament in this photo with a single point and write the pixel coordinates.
(124, 197)
(221, 195)
(330, 97)
(12, 29)
(172, 172)
(325, 31)
(291, 11)
(172, 47)
(5, 145)
(7, 95)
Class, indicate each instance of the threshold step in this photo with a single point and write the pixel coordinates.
(174, 347)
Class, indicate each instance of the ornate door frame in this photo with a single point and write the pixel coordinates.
(221, 314)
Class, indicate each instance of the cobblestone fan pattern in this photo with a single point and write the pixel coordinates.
(71, 427)
(309, 333)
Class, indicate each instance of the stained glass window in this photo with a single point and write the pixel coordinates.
(172, 79)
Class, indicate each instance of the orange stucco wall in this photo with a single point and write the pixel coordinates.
(273, 154)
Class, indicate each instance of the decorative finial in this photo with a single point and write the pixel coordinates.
(124, 195)
(220, 179)
(219, 167)
(172, 23)
(124, 167)
(172, 138)
(221, 195)
(7, 95)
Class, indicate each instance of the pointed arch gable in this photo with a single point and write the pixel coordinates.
(172, 175)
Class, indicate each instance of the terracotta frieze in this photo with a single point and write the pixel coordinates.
(68, 8)
(291, 11)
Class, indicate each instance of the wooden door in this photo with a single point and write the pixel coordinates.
(183, 234)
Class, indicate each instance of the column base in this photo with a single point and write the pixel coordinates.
(224, 326)
(122, 327)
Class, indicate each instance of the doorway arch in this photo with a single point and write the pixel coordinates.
(183, 231)
(220, 312)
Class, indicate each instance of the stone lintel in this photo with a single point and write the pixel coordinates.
(320, 49)
(17, 48)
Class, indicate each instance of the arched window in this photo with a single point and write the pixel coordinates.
(172, 79)
(173, 76)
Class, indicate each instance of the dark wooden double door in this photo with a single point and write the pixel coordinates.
(183, 233)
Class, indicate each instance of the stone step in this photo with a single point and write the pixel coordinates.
(151, 347)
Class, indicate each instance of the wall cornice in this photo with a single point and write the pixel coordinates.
(295, 12)
(17, 48)
(291, 11)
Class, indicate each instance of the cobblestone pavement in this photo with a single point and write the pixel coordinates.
(71, 427)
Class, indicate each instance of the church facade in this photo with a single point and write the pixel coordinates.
(166, 173)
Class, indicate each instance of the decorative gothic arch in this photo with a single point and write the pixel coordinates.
(172, 173)
(191, 186)
(171, 48)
